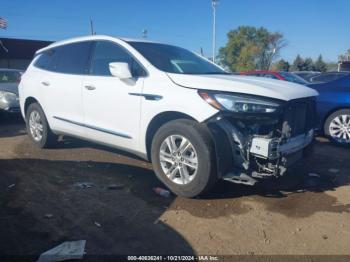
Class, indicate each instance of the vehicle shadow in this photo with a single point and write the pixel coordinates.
(118, 214)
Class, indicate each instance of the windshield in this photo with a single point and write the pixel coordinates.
(9, 77)
(293, 78)
(174, 59)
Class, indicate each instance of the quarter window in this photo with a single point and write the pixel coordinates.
(44, 59)
(107, 52)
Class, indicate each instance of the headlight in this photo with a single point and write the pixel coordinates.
(240, 103)
(8, 96)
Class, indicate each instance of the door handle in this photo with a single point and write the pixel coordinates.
(89, 87)
(45, 83)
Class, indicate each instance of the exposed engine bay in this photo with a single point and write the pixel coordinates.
(256, 146)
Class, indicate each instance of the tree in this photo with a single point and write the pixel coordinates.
(308, 64)
(250, 48)
(282, 65)
(298, 63)
(320, 65)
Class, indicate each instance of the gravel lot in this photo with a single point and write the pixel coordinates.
(294, 215)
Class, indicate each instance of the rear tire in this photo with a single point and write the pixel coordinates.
(337, 127)
(183, 157)
(38, 128)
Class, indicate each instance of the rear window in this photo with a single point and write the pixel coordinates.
(9, 77)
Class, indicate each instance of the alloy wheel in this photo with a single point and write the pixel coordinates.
(339, 128)
(36, 126)
(178, 159)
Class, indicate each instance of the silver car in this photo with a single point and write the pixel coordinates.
(9, 80)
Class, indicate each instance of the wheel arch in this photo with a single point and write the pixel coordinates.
(29, 100)
(159, 120)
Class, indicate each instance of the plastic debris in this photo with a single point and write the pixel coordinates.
(314, 175)
(162, 192)
(333, 170)
(83, 185)
(48, 216)
(115, 187)
(11, 186)
(66, 251)
(97, 224)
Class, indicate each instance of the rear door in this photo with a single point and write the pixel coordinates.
(112, 106)
(63, 87)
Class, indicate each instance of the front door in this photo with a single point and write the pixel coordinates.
(112, 112)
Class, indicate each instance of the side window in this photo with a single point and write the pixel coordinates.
(107, 52)
(71, 58)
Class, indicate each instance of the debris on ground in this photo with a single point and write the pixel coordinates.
(325, 237)
(11, 186)
(313, 175)
(161, 192)
(97, 224)
(66, 251)
(333, 170)
(48, 216)
(83, 185)
(115, 187)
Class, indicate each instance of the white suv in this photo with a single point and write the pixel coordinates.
(193, 120)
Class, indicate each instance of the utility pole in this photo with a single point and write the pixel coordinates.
(92, 27)
(214, 4)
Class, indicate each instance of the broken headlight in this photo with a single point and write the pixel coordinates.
(240, 103)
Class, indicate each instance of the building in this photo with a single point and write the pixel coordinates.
(17, 53)
(344, 66)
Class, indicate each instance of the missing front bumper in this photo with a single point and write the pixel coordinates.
(270, 148)
(246, 158)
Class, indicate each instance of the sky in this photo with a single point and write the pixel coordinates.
(311, 27)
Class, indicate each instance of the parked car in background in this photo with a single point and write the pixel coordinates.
(333, 107)
(286, 76)
(328, 76)
(195, 122)
(306, 75)
(9, 80)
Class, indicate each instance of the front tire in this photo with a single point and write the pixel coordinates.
(337, 127)
(183, 157)
(38, 128)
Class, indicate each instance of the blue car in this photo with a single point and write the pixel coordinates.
(333, 107)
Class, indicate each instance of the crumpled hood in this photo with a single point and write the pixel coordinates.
(9, 87)
(259, 86)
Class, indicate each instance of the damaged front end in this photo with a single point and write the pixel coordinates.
(255, 145)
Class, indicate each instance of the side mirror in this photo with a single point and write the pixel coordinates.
(120, 70)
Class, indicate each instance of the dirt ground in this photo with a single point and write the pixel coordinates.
(295, 215)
